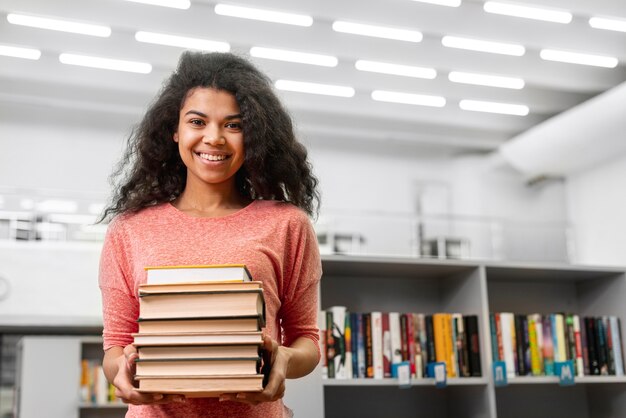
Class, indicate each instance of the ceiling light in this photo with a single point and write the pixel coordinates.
(314, 88)
(294, 56)
(395, 69)
(486, 80)
(59, 25)
(528, 12)
(607, 23)
(105, 63)
(408, 98)
(483, 46)
(19, 52)
(450, 3)
(264, 15)
(578, 58)
(181, 41)
(57, 205)
(176, 4)
(377, 31)
(493, 107)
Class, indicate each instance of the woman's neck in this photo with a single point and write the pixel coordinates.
(210, 203)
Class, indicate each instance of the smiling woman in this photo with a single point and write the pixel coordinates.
(214, 175)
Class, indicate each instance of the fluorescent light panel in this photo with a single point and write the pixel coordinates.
(59, 25)
(528, 12)
(408, 98)
(578, 58)
(263, 14)
(294, 56)
(175, 4)
(449, 3)
(315, 88)
(377, 31)
(483, 46)
(486, 80)
(493, 107)
(105, 63)
(182, 41)
(608, 23)
(395, 69)
(19, 52)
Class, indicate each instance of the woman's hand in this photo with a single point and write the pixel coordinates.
(123, 380)
(279, 358)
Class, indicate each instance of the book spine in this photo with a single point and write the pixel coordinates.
(323, 344)
(601, 346)
(519, 345)
(418, 331)
(584, 345)
(369, 355)
(548, 345)
(610, 354)
(396, 337)
(377, 344)
(348, 345)
(506, 319)
(339, 323)
(494, 337)
(535, 364)
(539, 332)
(410, 334)
(354, 326)
(592, 344)
(361, 344)
(386, 346)
(580, 367)
(499, 336)
(430, 340)
(404, 338)
(473, 345)
(330, 345)
(617, 345)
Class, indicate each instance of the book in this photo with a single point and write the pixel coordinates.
(473, 345)
(396, 337)
(230, 323)
(199, 338)
(377, 344)
(507, 326)
(386, 346)
(202, 303)
(198, 366)
(360, 346)
(338, 334)
(200, 386)
(197, 351)
(369, 353)
(330, 345)
(580, 367)
(617, 345)
(198, 273)
(182, 287)
(348, 345)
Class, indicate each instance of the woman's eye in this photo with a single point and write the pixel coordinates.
(198, 122)
(233, 125)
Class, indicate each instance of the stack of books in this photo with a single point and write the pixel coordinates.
(200, 331)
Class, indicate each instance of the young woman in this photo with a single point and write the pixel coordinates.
(214, 175)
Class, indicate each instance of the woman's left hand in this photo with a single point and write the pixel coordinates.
(275, 388)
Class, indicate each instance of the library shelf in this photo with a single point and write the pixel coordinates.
(473, 287)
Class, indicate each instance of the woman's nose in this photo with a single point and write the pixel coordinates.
(213, 137)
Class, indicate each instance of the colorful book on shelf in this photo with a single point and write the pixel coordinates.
(194, 304)
(377, 344)
(197, 351)
(215, 324)
(198, 338)
(473, 345)
(338, 337)
(200, 386)
(198, 273)
(198, 366)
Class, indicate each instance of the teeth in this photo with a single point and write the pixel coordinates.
(212, 157)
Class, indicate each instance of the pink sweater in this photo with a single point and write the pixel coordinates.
(275, 240)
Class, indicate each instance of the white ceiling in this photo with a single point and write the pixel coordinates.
(119, 97)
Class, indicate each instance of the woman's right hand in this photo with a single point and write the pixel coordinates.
(124, 380)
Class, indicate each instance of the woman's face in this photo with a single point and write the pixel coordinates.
(210, 137)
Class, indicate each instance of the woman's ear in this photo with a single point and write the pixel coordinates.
(175, 137)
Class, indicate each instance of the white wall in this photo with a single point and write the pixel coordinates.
(597, 206)
(371, 187)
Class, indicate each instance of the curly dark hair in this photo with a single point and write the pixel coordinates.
(275, 167)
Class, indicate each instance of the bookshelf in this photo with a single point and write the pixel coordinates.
(48, 373)
(365, 284)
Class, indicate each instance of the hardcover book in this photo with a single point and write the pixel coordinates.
(198, 273)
